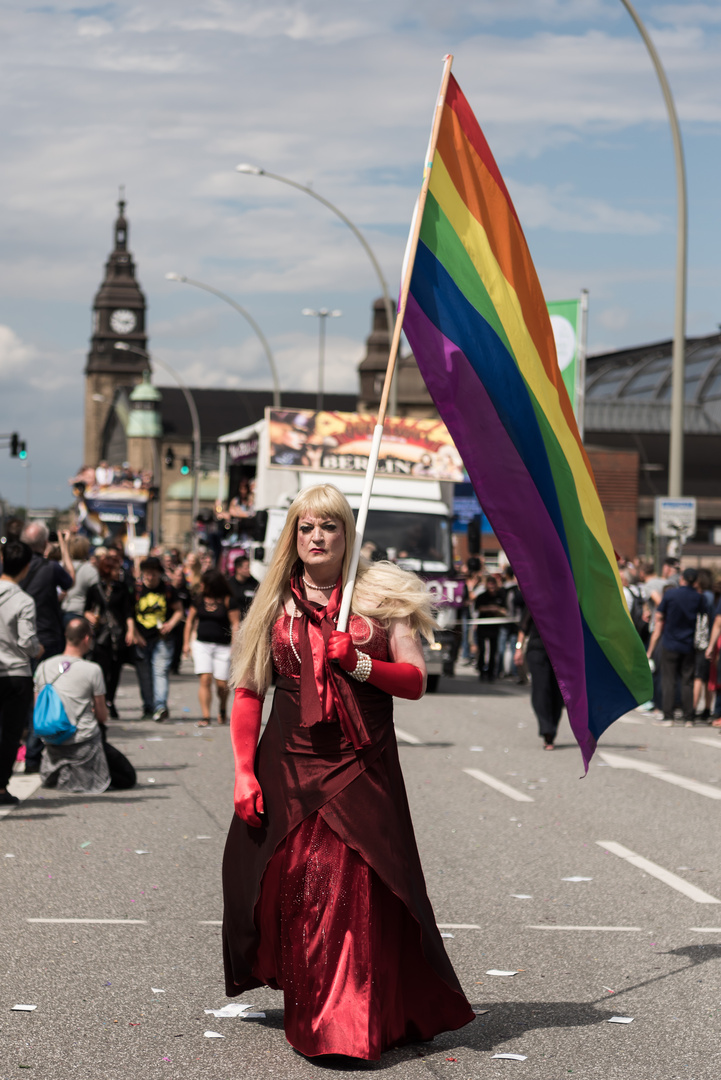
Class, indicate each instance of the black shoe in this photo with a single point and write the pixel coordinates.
(112, 712)
(30, 770)
(6, 799)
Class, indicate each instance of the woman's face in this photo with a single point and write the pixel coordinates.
(321, 544)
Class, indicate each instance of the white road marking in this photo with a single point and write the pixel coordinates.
(505, 789)
(673, 880)
(659, 772)
(619, 929)
(407, 737)
(716, 743)
(457, 926)
(121, 922)
(705, 929)
(21, 787)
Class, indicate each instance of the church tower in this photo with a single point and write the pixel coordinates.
(118, 319)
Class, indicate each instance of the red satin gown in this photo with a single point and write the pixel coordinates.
(327, 900)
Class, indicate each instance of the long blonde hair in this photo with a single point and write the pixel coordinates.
(383, 591)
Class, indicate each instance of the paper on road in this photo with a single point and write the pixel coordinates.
(496, 971)
(236, 1009)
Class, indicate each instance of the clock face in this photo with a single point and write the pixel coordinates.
(122, 321)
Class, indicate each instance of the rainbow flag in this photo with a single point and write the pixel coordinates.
(477, 322)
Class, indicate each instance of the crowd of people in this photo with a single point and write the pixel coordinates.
(677, 615)
(72, 615)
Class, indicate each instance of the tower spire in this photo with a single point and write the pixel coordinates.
(121, 224)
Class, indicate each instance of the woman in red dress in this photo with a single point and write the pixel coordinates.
(324, 892)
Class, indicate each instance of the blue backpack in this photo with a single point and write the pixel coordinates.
(50, 720)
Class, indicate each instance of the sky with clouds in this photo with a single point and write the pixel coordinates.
(168, 97)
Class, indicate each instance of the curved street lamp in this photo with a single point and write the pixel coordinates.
(247, 316)
(255, 170)
(194, 418)
(675, 465)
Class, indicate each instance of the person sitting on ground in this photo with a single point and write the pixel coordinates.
(18, 646)
(79, 764)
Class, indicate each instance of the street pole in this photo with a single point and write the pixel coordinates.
(248, 317)
(322, 314)
(195, 421)
(254, 170)
(676, 448)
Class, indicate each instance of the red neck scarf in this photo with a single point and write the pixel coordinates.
(325, 693)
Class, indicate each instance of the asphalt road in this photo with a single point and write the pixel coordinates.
(126, 999)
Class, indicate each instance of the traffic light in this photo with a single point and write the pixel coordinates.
(185, 467)
(14, 443)
(169, 458)
(22, 452)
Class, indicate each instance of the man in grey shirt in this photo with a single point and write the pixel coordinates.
(18, 646)
(79, 763)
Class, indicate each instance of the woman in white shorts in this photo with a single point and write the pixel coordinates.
(214, 615)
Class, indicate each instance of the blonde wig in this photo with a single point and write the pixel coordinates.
(383, 591)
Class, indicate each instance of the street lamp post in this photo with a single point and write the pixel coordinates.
(195, 421)
(322, 314)
(255, 170)
(675, 472)
(248, 317)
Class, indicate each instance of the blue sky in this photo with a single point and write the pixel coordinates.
(167, 98)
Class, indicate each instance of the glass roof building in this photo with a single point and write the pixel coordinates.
(628, 406)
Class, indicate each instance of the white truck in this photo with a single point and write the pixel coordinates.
(409, 521)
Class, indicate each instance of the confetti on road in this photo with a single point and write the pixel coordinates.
(496, 971)
(86, 843)
(141, 851)
(9, 856)
(511, 1057)
(203, 838)
(477, 749)
(576, 879)
(23, 1008)
(235, 1010)
(155, 990)
(620, 1020)
(521, 896)
(213, 1035)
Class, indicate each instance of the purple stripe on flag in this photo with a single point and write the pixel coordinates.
(495, 467)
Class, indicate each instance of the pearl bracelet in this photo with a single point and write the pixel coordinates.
(363, 668)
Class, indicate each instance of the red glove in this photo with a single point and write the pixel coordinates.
(340, 647)
(244, 731)
(400, 680)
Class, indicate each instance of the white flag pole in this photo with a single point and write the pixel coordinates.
(408, 262)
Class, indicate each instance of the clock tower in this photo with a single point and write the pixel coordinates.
(118, 320)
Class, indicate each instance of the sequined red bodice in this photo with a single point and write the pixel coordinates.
(285, 661)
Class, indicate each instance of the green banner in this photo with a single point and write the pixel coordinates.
(566, 323)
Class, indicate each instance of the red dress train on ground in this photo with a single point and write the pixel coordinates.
(327, 900)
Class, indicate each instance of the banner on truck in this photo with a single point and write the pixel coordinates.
(336, 442)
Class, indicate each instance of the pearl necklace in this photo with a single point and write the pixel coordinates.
(322, 588)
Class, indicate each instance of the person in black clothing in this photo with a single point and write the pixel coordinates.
(176, 576)
(215, 614)
(546, 697)
(109, 610)
(242, 585)
(489, 604)
(42, 582)
(675, 625)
